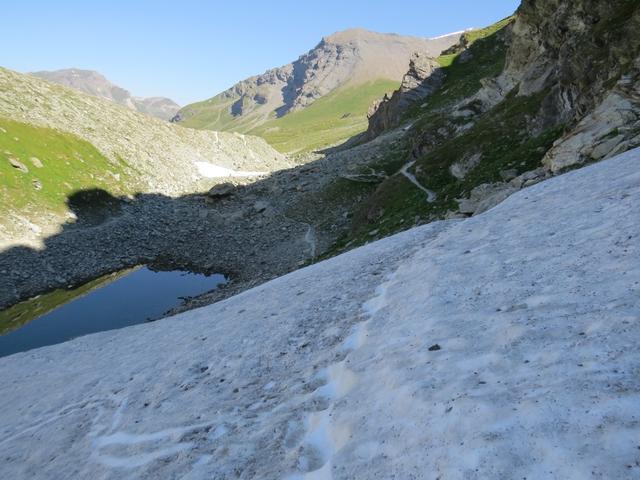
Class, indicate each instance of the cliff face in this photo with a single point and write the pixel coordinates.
(587, 54)
(423, 78)
(576, 47)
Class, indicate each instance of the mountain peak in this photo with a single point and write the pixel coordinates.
(355, 34)
(95, 84)
(355, 57)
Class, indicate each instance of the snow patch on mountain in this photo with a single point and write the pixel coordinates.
(209, 170)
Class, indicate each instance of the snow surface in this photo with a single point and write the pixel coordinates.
(209, 170)
(331, 372)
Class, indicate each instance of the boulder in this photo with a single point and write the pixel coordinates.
(17, 164)
(222, 190)
(484, 197)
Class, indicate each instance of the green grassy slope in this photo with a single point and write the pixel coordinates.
(329, 120)
(57, 165)
(214, 114)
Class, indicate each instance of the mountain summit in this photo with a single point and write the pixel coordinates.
(96, 84)
(373, 62)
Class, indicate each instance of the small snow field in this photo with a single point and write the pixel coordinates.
(209, 170)
(504, 346)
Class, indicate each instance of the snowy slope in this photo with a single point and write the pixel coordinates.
(332, 371)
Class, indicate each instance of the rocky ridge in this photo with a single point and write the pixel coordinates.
(94, 83)
(353, 57)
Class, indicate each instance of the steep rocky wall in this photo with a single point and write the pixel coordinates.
(578, 47)
(587, 54)
(423, 78)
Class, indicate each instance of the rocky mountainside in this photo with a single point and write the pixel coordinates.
(553, 88)
(52, 137)
(93, 83)
(349, 58)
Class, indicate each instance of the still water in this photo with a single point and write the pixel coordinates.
(114, 301)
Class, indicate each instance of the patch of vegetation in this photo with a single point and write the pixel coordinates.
(214, 114)
(473, 36)
(484, 58)
(357, 194)
(620, 15)
(446, 60)
(41, 167)
(337, 116)
(329, 120)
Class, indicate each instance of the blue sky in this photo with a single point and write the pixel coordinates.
(192, 49)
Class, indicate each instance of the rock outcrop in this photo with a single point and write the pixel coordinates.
(94, 83)
(423, 78)
(587, 55)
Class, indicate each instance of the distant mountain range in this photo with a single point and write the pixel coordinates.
(94, 83)
(349, 70)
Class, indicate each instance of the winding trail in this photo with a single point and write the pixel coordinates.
(431, 195)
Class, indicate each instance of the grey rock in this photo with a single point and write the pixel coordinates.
(423, 78)
(461, 168)
(484, 197)
(17, 164)
(260, 206)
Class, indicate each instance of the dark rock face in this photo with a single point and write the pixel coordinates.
(586, 54)
(423, 78)
(579, 49)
